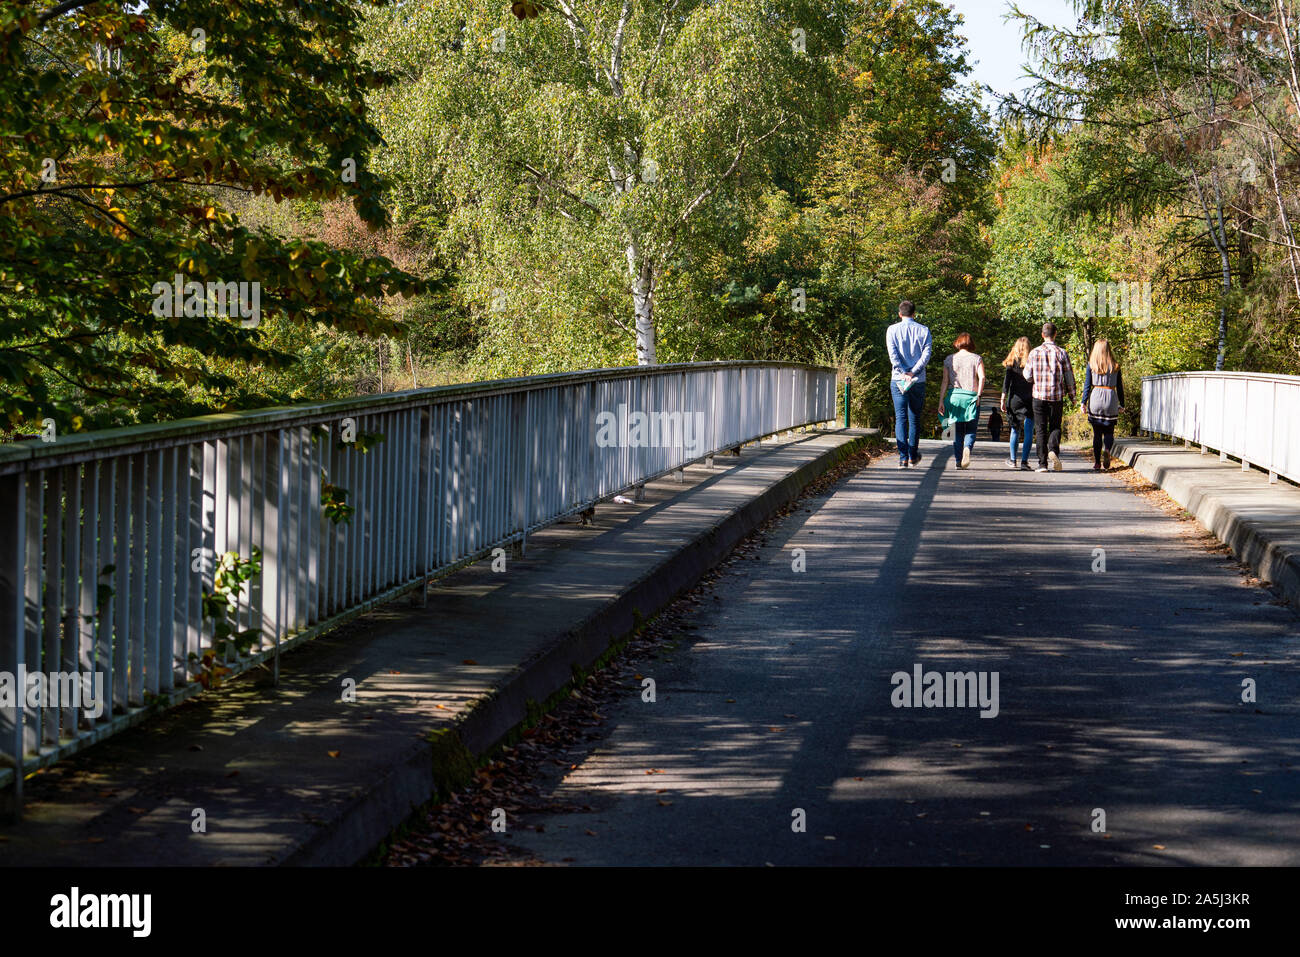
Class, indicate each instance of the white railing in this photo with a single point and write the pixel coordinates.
(148, 511)
(1246, 415)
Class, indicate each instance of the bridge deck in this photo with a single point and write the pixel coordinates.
(1119, 690)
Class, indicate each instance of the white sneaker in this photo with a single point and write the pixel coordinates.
(965, 458)
(1041, 468)
(1054, 461)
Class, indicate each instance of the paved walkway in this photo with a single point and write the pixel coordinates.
(1120, 691)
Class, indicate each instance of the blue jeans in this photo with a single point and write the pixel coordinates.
(963, 434)
(1028, 439)
(907, 419)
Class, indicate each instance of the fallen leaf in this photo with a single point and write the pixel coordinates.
(1158, 847)
(591, 833)
(138, 810)
(469, 661)
(332, 754)
(663, 803)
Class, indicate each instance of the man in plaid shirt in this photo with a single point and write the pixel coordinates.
(1048, 370)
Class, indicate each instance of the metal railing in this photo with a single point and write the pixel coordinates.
(109, 540)
(1249, 416)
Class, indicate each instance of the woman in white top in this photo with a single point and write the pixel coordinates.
(964, 370)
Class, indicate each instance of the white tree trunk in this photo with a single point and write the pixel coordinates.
(642, 273)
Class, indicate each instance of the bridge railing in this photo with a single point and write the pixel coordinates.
(1249, 416)
(109, 541)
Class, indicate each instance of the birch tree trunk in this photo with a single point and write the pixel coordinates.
(642, 273)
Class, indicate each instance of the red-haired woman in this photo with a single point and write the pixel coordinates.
(964, 372)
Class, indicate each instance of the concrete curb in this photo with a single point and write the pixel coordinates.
(1252, 541)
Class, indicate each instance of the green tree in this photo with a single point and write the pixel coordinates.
(124, 126)
(599, 146)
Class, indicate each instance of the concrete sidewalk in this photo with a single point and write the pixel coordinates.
(1258, 521)
(293, 775)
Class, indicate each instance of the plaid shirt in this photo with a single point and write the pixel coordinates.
(1048, 370)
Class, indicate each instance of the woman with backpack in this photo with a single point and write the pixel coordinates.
(1103, 401)
(1018, 402)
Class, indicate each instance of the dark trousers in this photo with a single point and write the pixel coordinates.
(1047, 423)
(1102, 436)
(907, 419)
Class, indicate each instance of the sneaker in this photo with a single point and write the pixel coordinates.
(1026, 466)
(1096, 466)
(1054, 461)
(965, 458)
(1105, 459)
(1041, 468)
(917, 460)
(1011, 464)
(902, 463)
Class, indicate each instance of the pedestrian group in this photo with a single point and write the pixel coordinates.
(1035, 384)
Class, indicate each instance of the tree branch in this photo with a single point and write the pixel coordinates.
(60, 9)
(543, 178)
(735, 164)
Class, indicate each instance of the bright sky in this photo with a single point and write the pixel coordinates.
(994, 43)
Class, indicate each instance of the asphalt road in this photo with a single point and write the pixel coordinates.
(1119, 691)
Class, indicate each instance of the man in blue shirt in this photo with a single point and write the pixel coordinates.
(909, 350)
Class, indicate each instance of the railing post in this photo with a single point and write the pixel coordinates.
(13, 541)
(1272, 437)
(848, 393)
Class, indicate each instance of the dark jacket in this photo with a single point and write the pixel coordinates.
(1017, 390)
